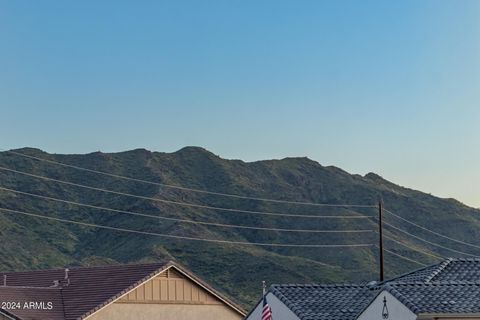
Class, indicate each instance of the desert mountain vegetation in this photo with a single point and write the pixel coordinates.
(32, 243)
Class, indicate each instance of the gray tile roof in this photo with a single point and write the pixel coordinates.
(420, 275)
(324, 302)
(465, 270)
(458, 269)
(451, 286)
(438, 297)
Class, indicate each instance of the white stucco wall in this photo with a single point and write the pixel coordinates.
(396, 310)
(279, 310)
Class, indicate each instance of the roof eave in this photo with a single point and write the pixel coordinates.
(232, 304)
(147, 278)
(429, 315)
(123, 292)
(9, 314)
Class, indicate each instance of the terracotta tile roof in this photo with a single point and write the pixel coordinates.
(32, 303)
(4, 312)
(89, 289)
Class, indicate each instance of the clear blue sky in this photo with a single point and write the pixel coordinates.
(385, 86)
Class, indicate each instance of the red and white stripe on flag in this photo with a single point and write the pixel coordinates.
(266, 312)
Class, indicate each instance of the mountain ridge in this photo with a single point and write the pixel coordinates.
(33, 243)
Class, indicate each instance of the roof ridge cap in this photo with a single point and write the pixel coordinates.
(452, 282)
(434, 283)
(408, 273)
(30, 287)
(162, 263)
(440, 268)
(318, 285)
(405, 283)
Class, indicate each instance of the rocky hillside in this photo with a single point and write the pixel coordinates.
(30, 242)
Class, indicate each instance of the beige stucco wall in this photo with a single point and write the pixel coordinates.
(127, 311)
(170, 286)
(168, 296)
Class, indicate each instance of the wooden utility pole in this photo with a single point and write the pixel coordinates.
(380, 240)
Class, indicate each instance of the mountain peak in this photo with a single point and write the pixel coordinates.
(374, 177)
(194, 150)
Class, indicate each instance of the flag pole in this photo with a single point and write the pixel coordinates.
(266, 311)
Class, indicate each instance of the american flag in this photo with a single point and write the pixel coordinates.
(267, 311)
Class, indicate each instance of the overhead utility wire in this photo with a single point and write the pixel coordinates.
(429, 242)
(412, 248)
(185, 203)
(185, 188)
(184, 237)
(181, 220)
(431, 231)
(405, 258)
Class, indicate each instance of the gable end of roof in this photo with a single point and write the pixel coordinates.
(153, 274)
(124, 291)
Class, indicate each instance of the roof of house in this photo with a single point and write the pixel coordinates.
(420, 275)
(88, 288)
(25, 301)
(458, 269)
(451, 286)
(438, 297)
(10, 315)
(324, 302)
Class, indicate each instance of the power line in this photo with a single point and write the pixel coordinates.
(431, 231)
(412, 248)
(429, 242)
(184, 203)
(181, 220)
(185, 188)
(405, 258)
(92, 225)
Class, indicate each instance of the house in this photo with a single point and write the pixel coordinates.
(121, 292)
(446, 290)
